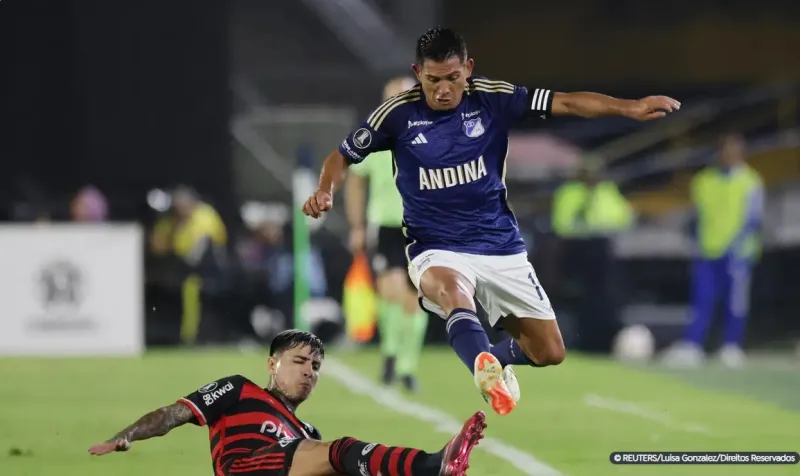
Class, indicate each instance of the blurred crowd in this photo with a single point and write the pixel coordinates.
(87, 205)
(214, 278)
(197, 265)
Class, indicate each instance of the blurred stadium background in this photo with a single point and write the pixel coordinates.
(119, 116)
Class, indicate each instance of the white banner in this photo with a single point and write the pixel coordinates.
(71, 290)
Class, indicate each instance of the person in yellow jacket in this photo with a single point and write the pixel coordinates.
(586, 212)
(191, 232)
(728, 203)
(590, 205)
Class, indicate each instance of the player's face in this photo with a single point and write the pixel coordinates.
(295, 372)
(443, 82)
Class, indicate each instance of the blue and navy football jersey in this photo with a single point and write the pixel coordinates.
(450, 166)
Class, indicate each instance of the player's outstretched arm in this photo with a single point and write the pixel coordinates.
(586, 104)
(377, 132)
(334, 171)
(156, 423)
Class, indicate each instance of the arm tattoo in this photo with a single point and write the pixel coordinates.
(156, 423)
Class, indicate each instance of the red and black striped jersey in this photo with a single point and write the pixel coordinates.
(241, 417)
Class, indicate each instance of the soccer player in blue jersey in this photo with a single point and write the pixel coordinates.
(449, 141)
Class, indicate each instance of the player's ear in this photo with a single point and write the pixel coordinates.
(416, 69)
(469, 65)
(272, 365)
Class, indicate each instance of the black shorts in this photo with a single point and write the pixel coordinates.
(272, 460)
(390, 251)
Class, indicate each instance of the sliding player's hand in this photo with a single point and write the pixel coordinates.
(318, 204)
(109, 447)
(652, 107)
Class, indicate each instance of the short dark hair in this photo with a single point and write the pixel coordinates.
(441, 44)
(294, 338)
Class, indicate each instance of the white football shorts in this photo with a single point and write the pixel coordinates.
(503, 284)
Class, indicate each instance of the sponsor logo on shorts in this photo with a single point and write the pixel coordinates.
(424, 260)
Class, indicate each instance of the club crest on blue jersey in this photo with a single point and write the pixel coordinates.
(473, 127)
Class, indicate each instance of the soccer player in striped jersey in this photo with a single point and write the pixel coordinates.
(254, 431)
(449, 140)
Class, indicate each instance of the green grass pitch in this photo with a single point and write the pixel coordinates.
(570, 417)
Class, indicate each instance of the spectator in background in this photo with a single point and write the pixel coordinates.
(267, 260)
(590, 205)
(194, 233)
(88, 205)
(587, 212)
(728, 203)
(267, 256)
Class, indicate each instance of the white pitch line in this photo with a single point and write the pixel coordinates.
(359, 384)
(631, 408)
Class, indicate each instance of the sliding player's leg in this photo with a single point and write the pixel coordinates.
(352, 457)
(447, 283)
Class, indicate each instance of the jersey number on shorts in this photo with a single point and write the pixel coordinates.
(538, 288)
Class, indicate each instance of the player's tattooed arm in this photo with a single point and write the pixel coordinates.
(156, 423)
